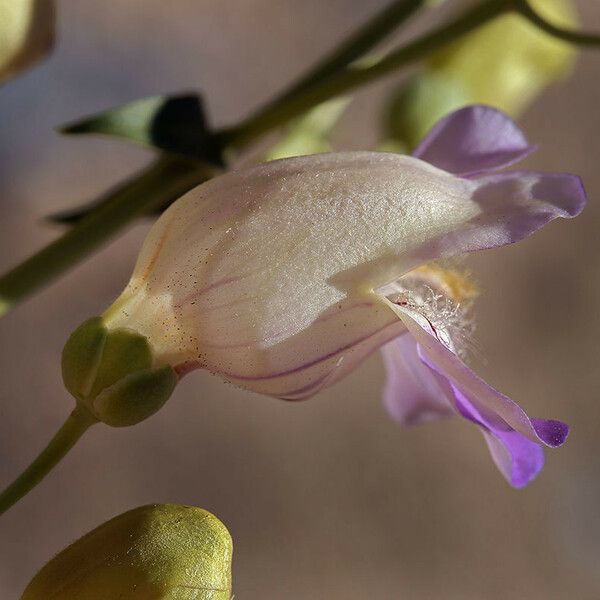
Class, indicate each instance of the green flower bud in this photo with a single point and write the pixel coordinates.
(419, 104)
(112, 372)
(26, 34)
(157, 552)
(310, 133)
(505, 63)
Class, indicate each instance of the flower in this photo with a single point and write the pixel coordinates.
(283, 277)
(152, 552)
(26, 34)
(507, 63)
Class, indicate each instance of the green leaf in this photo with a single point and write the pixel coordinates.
(163, 182)
(174, 124)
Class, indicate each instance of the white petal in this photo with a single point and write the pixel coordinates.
(265, 275)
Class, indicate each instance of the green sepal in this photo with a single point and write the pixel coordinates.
(81, 356)
(175, 124)
(135, 397)
(111, 373)
(125, 352)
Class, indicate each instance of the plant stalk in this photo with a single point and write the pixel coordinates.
(78, 422)
(579, 38)
(348, 79)
(356, 46)
(167, 177)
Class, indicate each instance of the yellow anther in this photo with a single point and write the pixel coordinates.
(456, 284)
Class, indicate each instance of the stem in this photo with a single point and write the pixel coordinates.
(343, 81)
(169, 176)
(380, 26)
(78, 422)
(166, 177)
(579, 38)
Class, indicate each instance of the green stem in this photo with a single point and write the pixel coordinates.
(579, 38)
(165, 178)
(162, 181)
(348, 79)
(363, 40)
(169, 176)
(78, 422)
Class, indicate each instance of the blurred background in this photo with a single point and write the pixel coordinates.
(327, 498)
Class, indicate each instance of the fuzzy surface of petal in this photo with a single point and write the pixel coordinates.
(512, 206)
(265, 275)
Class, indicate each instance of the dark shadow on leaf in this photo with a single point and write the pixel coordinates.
(179, 126)
(174, 124)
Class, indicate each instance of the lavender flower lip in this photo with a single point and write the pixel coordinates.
(426, 379)
(283, 277)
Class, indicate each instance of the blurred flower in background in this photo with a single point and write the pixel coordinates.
(310, 133)
(26, 34)
(505, 64)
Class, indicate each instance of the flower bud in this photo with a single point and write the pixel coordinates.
(417, 105)
(505, 63)
(310, 133)
(156, 552)
(26, 34)
(112, 372)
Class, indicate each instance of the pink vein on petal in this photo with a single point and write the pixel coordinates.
(186, 366)
(213, 286)
(309, 389)
(338, 311)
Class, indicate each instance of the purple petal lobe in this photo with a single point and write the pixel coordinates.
(512, 207)
(552, 433)
(411, 394)
(517, 458)
(474, 139)
(494, 407)
(514, 440)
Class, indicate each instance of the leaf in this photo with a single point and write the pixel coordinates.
(72, 216)
(174, 124)
(166, 179)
